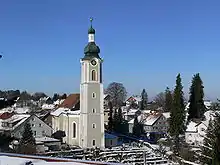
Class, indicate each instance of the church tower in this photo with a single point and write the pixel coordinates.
(91, 96)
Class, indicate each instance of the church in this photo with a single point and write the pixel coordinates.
(81, 116)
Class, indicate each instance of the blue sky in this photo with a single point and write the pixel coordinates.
(145, 44)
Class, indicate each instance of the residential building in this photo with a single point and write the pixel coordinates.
(15, 126)
(131, 113)
(195, 132)
(152, 122)
(133, 99)
(106, 101)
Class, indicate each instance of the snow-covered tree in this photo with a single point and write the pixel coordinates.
(211, 147)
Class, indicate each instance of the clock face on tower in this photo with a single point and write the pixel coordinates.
(93, 62)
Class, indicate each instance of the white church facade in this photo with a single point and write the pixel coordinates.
(84, 127)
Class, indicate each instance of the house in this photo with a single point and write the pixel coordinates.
(3, 116)
(46, 117)
(131, 123)
(106, 100)
(152, 122)
(44, 100)
(110, 140)
(15, 126)
(106, 116)
(47, 144)
(131, 113)
(133, 99)
(195, 132)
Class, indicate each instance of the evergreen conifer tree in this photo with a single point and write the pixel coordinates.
(144, 100)
(27, 144)
(177, 115)
(136, 131)
(196, 102)
(168, 100)
(110, 119)
(120, 121)
(115, 121)
(211, 144)
(138, 128)
(120, 116)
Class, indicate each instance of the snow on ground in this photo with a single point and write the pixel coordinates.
(188, 162)
(6, 160)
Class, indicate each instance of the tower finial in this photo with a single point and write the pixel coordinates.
(91, 30)
(91, 19)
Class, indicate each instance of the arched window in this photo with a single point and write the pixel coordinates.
(93, 95)
(93, 142)
(74, 130)
(94, 75)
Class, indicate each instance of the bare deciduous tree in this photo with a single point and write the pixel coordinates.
(117, 93)
(160, 99)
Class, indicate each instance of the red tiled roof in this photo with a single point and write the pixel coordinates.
(6, 115)
(71, 101)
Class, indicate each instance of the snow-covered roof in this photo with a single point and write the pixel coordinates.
(166, 115)
(59, 101)
(48, 106)
(75, 112)
(62, 110)
(146, 111)
(59, 111)
(8, 109)
(16, 117)
(208, 104)
(191, 127)
(124, 108)
(46, 139)
(210, 114)
(151, 119)
(21, 110)
(131, 112)
(106, 95)
(136, 98)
